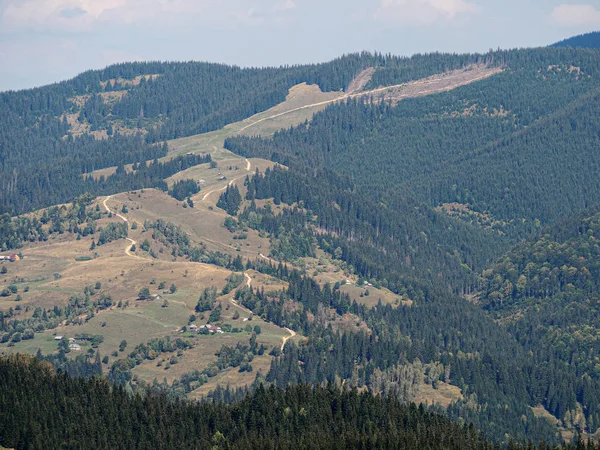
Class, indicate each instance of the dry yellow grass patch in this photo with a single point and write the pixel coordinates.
(51, 271)
(202, 224)
(324, 270)
(267, 282)
(206, 347)
(233, 378)
(129, 82)
(443, 395)
(361, 80)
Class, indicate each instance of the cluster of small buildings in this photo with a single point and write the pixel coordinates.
(73, 345)
(211, 328)
(11, 258)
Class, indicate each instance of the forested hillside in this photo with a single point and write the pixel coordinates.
(545, 292)
(46, 410)
(516, 147)
(515, 152)
(440, 327)
(52, 135)
(588, 40)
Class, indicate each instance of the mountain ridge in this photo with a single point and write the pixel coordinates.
(587, 40)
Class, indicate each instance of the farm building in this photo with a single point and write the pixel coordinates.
(12, 258)
(75, 346)
(193, 328)
(211, 328)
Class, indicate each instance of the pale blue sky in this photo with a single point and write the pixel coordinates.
(43, 41)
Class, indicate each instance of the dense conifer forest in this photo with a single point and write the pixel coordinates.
(587, 40)
(546, 292)
(48, 410)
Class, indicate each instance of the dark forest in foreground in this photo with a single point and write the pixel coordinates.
(47, 410)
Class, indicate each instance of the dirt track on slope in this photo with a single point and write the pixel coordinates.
(426, 86)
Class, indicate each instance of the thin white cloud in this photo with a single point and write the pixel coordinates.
(56, 14)
(86, 15)
(423, 11)
(284, 5)
(569, 15)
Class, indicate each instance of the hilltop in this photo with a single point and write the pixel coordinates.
(588, 40)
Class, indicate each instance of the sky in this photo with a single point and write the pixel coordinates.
(44, 41)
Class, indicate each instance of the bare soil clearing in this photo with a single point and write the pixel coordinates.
(431, 85)
(129, 82)
(361, 80)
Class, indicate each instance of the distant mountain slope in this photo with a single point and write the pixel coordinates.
(50, 136)
(547, 294)
(588, 40)
(515, 151)
(543, 172)
(514, 146)
(370, 185)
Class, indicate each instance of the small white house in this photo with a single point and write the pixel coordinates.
(75, 347)
(212, 328)
(57, 338)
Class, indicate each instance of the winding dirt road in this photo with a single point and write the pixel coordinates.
(129, 247)
(480, 75)
(243, 308)
(248, 168)
(267, 258)
(285, 339)
(124, 219)
(246, 310)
